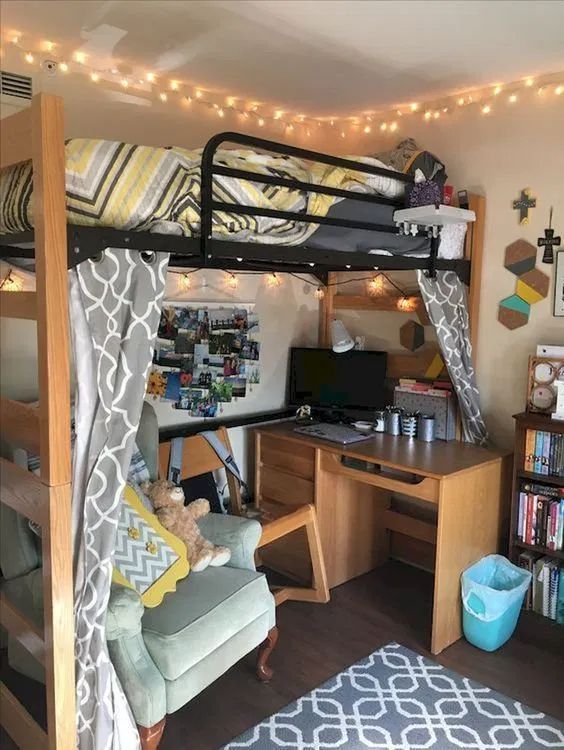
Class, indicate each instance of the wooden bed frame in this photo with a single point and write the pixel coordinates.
(37, 133)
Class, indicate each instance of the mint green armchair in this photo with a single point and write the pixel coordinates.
(166, 655)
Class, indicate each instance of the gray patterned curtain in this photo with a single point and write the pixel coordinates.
(446, 302)
(114, 310)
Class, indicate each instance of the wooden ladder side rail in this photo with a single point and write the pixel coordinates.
(18, 305)
(38, 133)
(20, 422)
(326, 311)
(49, 193)
(22, 728)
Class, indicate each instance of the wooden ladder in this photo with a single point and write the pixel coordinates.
(37, 133)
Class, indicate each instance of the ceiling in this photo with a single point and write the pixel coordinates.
(320, 57)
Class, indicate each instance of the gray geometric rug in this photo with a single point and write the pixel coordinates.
(396, 699)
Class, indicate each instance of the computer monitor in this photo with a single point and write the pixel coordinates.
(322, 379)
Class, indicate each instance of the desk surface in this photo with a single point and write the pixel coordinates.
(437, 459)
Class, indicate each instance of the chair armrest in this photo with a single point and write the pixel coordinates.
(142, 682)
(125, 610)
(241, 535)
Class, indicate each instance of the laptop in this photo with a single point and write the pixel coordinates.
(335, 433)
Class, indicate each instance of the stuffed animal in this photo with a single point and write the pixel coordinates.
(168, 501)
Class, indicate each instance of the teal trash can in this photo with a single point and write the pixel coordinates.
(493, 590)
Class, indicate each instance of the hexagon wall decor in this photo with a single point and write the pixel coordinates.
(412, 335)
(520, 257)
(513, 312)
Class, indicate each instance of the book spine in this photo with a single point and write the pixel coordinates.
(551, 543)
(553, 591)
(529, 450)
(529, 519)
(560, 598)
(552, 455)
(538, 451)
(538, 521)
(545, 588)
(520, 525)
(560, 536)
(526, 561)
(545, 452)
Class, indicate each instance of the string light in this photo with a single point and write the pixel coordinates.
(540, 90)
(163, 97)
(558, 90)
(125, 83)
(185, 282)
(461, 101)
(16, 40)
(261, 122)
(94, 77)
(393, 126)
(11, 283)
(512, 98)
(232, 281)
(414, 106)
(376, 286)
(29, 58)
(497, 91)
(319, 293)
(198, 94)
(80, 57)
(405, 304)
(367, 129)
(174, 85)
(48, 46)
(150, 78)
(384, 126)
(436, 114)
(63, 67)
(529, 82)
(220, 112)
(486, 109)
(272, 280)
(428, 115)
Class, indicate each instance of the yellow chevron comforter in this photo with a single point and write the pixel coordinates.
(140, 188)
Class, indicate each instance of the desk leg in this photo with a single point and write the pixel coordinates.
(470, 513)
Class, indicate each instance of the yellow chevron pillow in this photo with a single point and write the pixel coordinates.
(147, 557)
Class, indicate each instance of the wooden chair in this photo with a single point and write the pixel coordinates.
(277, 520)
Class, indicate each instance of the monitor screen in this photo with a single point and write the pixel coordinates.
(321, 378)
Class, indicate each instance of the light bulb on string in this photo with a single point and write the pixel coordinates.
(124, 83)
(198, 94)
(428, 115)
(461, 101)
(512, 98)
(185, 282)
(393, 126)
(80, 57)
(529, 82)
(232, 281)
(150, 77)
(29, 58)
(163, 96)
(376, 286)
(405, 304)
(11, 282)
(174, 85)
(261, 122)
(94, 77)
(486, 109)
(272, 280)
(497, 91)
(319, 293)
(367, 129)
(220, 112)
(63, 67)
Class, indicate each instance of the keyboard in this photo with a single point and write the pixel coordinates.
(335, 433)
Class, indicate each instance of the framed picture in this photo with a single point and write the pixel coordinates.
(558, 310)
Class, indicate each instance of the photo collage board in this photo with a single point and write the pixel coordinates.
(204, 356)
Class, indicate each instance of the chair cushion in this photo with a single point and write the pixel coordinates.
(204, 612)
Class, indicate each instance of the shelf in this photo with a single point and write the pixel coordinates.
(541, 478)
(434, 215)
(539, 421)
(558, 554)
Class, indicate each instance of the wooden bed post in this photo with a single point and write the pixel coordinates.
(38, 133)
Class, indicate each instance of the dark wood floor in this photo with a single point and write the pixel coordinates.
(316, 641)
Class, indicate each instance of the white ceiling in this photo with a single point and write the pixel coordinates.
(317, 56)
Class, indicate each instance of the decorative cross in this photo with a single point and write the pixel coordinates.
(523, 204)
(549, 241)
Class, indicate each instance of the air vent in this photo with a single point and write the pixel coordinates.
(12, 84)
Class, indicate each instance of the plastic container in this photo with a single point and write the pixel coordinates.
(493, 590)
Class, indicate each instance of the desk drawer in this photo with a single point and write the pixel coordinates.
(287, 455)
(284, 487)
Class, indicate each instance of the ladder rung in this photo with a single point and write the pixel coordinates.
(22, 629)
(18, 305)
(18, 722)
(22, 491)
(20, 424)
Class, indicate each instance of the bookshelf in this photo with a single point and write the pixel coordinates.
(523, 422)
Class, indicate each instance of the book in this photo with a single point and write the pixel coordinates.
(538, 452)
(520, 524)
(553, 589)
(560, 598)
(529, 450)
(547, 439)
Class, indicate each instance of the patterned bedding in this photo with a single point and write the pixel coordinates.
(128, 187)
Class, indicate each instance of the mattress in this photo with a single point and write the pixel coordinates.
(140, 188)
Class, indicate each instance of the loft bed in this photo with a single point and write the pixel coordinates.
(55, 245)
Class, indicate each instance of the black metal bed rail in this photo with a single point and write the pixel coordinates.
(210, 169)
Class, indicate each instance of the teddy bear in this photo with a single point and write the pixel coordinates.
(168, 502)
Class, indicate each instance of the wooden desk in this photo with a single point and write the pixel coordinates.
(468, 484)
